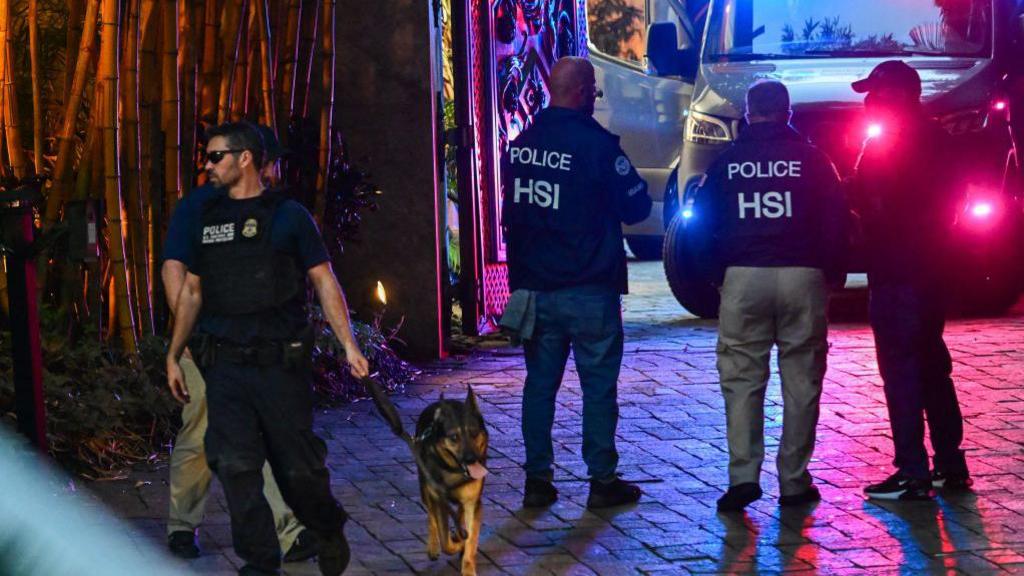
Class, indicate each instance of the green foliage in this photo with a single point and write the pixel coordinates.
(613, 23)
(333, 383)
(104, 410)
(53, 21)
(830, 34)
(825, 34)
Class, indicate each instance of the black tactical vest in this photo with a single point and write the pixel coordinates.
(242, 272)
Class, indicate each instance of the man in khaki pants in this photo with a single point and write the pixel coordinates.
(190, 475)
(769, 224)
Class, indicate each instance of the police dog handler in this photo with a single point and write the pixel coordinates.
(189, 472)
(567, 188)
(770, 222)
(253, 345)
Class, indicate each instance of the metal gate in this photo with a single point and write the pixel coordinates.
(510, 48)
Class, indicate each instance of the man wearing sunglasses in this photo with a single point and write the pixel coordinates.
(189, 472)
(253, 252)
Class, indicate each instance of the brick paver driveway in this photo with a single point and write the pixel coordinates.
(671, 437)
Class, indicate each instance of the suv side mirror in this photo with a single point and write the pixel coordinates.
(664, 55)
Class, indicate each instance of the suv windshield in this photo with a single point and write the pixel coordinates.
(742, 30)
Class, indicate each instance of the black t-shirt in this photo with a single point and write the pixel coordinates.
(294, 232)
(179, 240)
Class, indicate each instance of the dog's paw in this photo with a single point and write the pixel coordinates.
(468, 569)
(434, 551)
(453, 547)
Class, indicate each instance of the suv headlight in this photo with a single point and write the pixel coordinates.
(704, 129)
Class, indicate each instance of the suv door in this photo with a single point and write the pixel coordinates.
(646, 111)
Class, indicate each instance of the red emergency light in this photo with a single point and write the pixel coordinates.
(874, 130)
(982, 209)
(999, 105)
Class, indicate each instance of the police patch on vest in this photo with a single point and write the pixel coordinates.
(622, 165)
(219, 233)
(250, 228)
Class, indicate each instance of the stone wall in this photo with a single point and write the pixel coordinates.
(385, 105)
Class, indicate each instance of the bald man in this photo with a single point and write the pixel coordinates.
(567, 187)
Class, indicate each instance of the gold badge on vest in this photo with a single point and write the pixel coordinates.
(250, 228)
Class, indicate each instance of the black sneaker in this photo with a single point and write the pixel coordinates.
(182, 544)
(951, 481)
(738, 497)
(900, 487)
(334, 553)
(615, 493)
(805, 497)
(539, 493)
(306, 546)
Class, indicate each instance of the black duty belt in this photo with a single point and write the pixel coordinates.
(297, 353)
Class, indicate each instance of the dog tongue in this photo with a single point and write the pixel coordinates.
(476, 471)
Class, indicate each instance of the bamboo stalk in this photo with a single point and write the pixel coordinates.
(234, 14)
(149, 102)
(65, 139)
(187, 55)
(37, 103)
(327, 106)
(308, 49)
(74, 40)
(12, 120)
(108, 76)
(262, 16)
(288, 61)
(240, 87)
(170, 105)
(210, 74)
(133, 172)
(252, 72)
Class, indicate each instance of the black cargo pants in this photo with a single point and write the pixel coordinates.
(261, 411)
(908, 320)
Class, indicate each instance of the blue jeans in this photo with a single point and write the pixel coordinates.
(588, 319)
(908, 321)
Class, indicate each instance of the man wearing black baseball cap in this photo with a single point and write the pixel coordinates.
(905, 193)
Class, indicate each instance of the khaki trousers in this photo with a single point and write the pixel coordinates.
(190, 474)
(761, 308)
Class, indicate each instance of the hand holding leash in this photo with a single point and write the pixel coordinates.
(358, 364)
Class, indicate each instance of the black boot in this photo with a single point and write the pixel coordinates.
(539, 493)
(334, 553)
(182, 543)
(615, 493)
(306, 546)
(739, 497)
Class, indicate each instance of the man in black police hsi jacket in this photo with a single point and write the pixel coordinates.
(770, 223)
(568, 187)
(904, 191)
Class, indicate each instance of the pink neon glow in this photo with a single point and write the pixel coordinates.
(999, 105)
(874, 130)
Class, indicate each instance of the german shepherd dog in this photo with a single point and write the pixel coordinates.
(450, 449)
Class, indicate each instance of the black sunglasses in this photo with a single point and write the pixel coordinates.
(215, 156)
